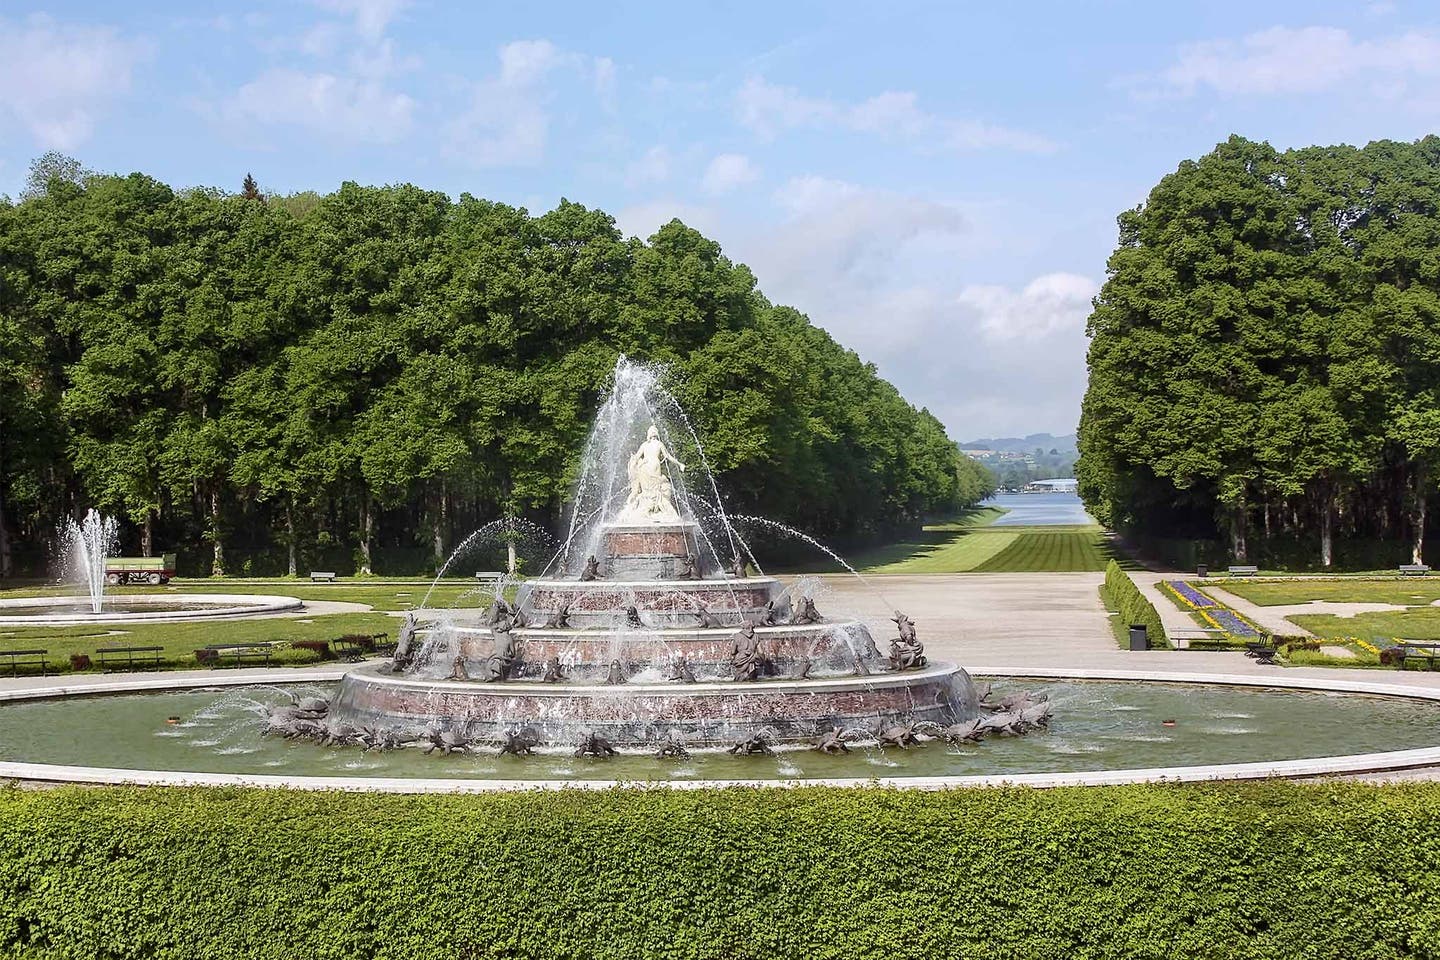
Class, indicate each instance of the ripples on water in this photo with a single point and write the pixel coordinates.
(1099, 725)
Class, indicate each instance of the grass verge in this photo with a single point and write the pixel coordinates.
(180, 640)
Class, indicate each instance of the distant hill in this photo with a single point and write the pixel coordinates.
(1045, 441)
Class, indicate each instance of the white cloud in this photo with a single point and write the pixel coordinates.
(347, 107)
(371, 18)
(839, 234)
(643, 219)
(344, 97)
(507, 122)
(728, 171)
(770, 109)
(605, 83)
(1285, 60)
(56, 80)
(878, 270)
(1046, 306)
(653, 167)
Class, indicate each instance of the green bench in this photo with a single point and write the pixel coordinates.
(129, 658)
(216, 654)
(1428, 653)
(25, 658)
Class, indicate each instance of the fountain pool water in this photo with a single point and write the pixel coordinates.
(1098, 726)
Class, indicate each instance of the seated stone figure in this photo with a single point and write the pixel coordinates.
(745, 653)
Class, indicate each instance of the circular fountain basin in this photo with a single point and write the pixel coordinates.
(1108, 728)
(130, 608)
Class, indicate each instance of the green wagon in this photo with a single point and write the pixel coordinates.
(151, 570)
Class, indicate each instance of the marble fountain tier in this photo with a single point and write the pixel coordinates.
(644, 647)
(651, 632)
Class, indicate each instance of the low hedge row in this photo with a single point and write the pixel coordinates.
(1266, 870)
(1124, 597)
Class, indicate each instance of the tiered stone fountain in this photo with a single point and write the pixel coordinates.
(647, 633)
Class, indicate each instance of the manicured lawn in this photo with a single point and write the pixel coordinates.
(180, 640)
(398, 595)
(1052, 549)
(995, 550)
(1408, 593)
(1420, 623)
(957, 551)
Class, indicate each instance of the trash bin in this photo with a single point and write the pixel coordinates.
(1202, 571)
(1139, 637)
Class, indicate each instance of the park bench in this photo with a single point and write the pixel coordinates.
(1413, 570)
(25, 658)
(1244, 570)
(216, 653)
(1411, 650)
(1263, 651)
(316, 576)
(348, 649)
(129, 658)
(489, 578)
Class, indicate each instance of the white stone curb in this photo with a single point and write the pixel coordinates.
(226, 606)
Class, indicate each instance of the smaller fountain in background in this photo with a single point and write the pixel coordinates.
(86, 546)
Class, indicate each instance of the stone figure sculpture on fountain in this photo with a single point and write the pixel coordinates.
(651, 498)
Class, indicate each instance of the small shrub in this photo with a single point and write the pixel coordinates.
(296, 655)
(321, 648)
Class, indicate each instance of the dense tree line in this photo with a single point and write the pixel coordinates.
(1265, 354)
(368, 374)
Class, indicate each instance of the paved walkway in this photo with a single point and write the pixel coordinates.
(1048, 620)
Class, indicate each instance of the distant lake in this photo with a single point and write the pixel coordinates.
(1039, 509)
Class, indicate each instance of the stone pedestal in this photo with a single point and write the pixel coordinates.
(649, 551)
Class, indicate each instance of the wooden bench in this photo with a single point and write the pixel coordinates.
(316, 576)
(216, 654)
(129, 658)
(348, 649)
(1414, 570)
(1411, 650)
(1244, 571)
(1263, 652)
(25, 658)
(490, 578)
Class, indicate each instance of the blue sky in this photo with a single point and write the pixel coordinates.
(934, 183)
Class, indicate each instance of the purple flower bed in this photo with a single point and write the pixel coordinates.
(1213, 610)
(1192, 596)
(1230, 622)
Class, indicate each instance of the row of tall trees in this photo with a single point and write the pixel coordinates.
(1265, 355)
(367, 373)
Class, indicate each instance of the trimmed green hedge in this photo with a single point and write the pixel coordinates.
(1121, 594)
(1266, 870)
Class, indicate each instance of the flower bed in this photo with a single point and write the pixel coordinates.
(1212, 611)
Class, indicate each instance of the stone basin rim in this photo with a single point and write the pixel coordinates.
(1263, 769)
